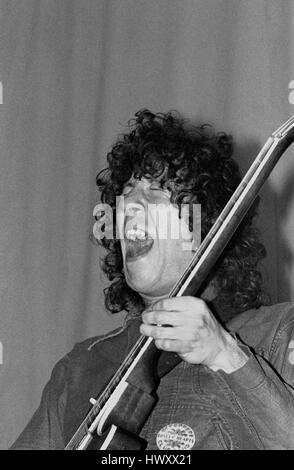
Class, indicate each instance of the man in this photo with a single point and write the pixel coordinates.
(222, 395)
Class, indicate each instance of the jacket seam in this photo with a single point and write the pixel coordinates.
(280, 331)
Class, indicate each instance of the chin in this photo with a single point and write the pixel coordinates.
(142, 286)
(145, 276)
(148, 287)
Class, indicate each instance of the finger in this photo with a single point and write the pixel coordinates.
(181, 347)
(161, 317)
(168, 304)
(175, 319)
(178, 303)
(175, 333)
(158, 332)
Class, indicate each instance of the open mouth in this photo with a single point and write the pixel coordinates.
(138, 243)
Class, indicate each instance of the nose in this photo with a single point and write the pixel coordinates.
(136, 199)
(133, 206)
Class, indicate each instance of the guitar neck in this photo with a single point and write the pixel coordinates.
(234, 211)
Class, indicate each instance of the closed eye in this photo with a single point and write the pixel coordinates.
(127, 189)
(156, 187)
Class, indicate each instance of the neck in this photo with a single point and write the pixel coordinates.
(150, 300)
(209, 293)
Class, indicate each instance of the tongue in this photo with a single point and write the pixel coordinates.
(138, 247)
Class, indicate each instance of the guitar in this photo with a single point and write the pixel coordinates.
(119, 413)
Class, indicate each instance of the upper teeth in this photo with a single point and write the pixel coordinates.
(132, 234)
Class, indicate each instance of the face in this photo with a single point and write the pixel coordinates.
(156, 244)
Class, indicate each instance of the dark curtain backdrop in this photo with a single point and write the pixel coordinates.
(73, 73)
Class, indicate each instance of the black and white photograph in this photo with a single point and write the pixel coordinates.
(146, 227)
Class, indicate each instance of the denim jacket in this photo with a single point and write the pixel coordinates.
(251, 408)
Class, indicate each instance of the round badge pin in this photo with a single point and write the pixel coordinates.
(176, 436)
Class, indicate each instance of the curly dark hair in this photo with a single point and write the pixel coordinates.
(196, 165)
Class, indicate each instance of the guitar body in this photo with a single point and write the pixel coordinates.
(116, 439)
(118, 423)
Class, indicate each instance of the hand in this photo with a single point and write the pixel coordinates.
(186, 325)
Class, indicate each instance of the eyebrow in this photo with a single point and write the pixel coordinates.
(129, 184)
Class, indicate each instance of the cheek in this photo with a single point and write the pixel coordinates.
(186, 235)
(180, 254)
(123, 250)
(179, 226)
(120, 226)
